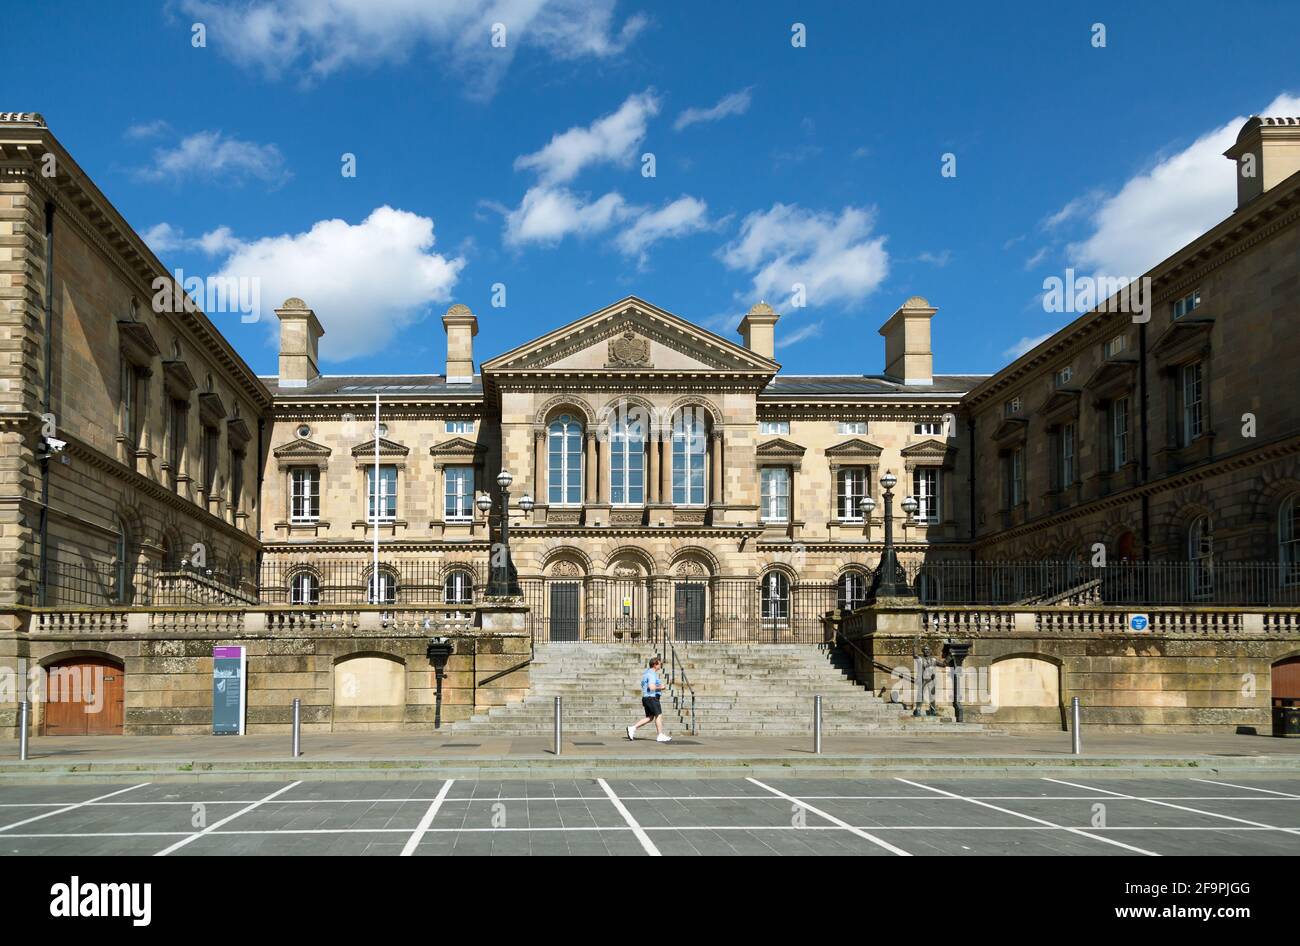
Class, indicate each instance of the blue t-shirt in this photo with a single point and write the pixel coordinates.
(649, 680)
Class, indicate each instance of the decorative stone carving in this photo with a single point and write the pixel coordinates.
(624, 570)
(565, 569)
(629, 351)
(691, 569)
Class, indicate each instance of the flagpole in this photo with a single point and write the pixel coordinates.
(374, 572)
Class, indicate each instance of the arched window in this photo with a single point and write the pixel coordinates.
(928, 589)
(564, 461)
(776, 597)
(852, 591)
(382, 587)
(121, 566)
(1288, 539)
(690, 438)
(1200, 553)
(304, 588)
(458, 588)
(627, 460)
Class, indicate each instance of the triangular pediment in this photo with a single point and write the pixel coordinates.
(1011, 428)
(301, 449)
(1113, 372)
(855, 449)
(457, 448)
(926, 448)
(387, 448)
(1060, 401)
(779, 448)
(630, 337)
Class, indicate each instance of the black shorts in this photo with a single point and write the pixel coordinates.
(651, 706)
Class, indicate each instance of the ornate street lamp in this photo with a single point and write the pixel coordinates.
(439, 651)
(889, 581)
(502, 582)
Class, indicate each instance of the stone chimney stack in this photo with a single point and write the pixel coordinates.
(907, 343)
(300, 334)
(461, 325)
(758, 329)
(1267, 152)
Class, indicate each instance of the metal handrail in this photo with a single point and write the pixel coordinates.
(676, 670)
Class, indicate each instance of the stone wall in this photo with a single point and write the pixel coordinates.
(336, 662)
(1205, 669)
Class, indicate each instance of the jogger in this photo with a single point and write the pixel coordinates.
(651, 686)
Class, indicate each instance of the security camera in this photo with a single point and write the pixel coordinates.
(55, 445)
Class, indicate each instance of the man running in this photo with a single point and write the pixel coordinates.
(651, 685)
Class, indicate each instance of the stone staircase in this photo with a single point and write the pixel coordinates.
(740, 689)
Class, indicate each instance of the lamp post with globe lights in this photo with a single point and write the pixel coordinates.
(502, 580)
(889, 581)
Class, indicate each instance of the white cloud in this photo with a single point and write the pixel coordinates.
(312, 39)
(211, 155)
(142, 130)
(681, 217)
(1161, 210)
(611, 139)
(1025, 344)
(163, 238)
(835, 258)
(547, 215)
(813, 330)
(364, 281)
(737, 103)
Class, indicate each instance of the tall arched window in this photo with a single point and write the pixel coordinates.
(626, 460)
(121, 566)
(1288, 539)
(304, 588)
(852, 591)
(690, 440)
(458, 588)
(776, 597)
(1200, 553)
(382, 587)
(564, 461)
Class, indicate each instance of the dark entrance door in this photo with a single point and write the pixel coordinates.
(1286, 681)
(564, 611)
(689, 613)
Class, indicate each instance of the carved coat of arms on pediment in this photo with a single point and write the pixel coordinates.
(628, 351)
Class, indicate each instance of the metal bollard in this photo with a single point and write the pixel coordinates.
(1076, 742)
(297, 727)
(558, 713)
(22, 729)
(817, 724)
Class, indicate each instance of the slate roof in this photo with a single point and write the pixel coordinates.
(392, 385)
(857, 385)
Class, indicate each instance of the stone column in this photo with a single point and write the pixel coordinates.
(666, 470)
(439, 493)
(539, 466)
(589, 487)
(715, 484)
(603, 445)
(653, 485)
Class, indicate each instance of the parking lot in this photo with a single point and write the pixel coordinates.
(1146, 816)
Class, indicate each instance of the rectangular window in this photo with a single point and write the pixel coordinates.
(928, 429)
(176, 417)
(1116, 345)
(459, 427)
(850, 489)
(925, 489)
(1193, 418)
(626, 467)
(689, 442)
(775, 500)
(132, 406)
(211, 446)
(236, 479)
(1118, 433)
(1016, 477)
(1011, 406)
(385, 498)
(1063, 376)
(1066, 443)
(767, 427)
(852, 427)
(1187, 304)
(304, 499)
(459, 494)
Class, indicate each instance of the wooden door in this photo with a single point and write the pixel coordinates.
(1286, 681)
(689, 616)
(84, 696)
(564, 611)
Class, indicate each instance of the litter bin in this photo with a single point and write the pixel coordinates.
(1286, 717)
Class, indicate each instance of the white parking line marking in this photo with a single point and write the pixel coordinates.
(422, 828)
(226, 820)
(1166, 804)
(632, 823)
(51, 814)
(1249, 788)
(1008, 811)
(880, 842)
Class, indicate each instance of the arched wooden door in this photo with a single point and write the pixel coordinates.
(1286, 680)
(84, 696)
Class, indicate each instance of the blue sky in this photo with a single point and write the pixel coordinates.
(774, 164)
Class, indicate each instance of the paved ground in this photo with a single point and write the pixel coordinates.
(1147, 816)
(379, 746)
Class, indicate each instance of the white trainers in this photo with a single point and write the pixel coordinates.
(631, 733)
(663, 737)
